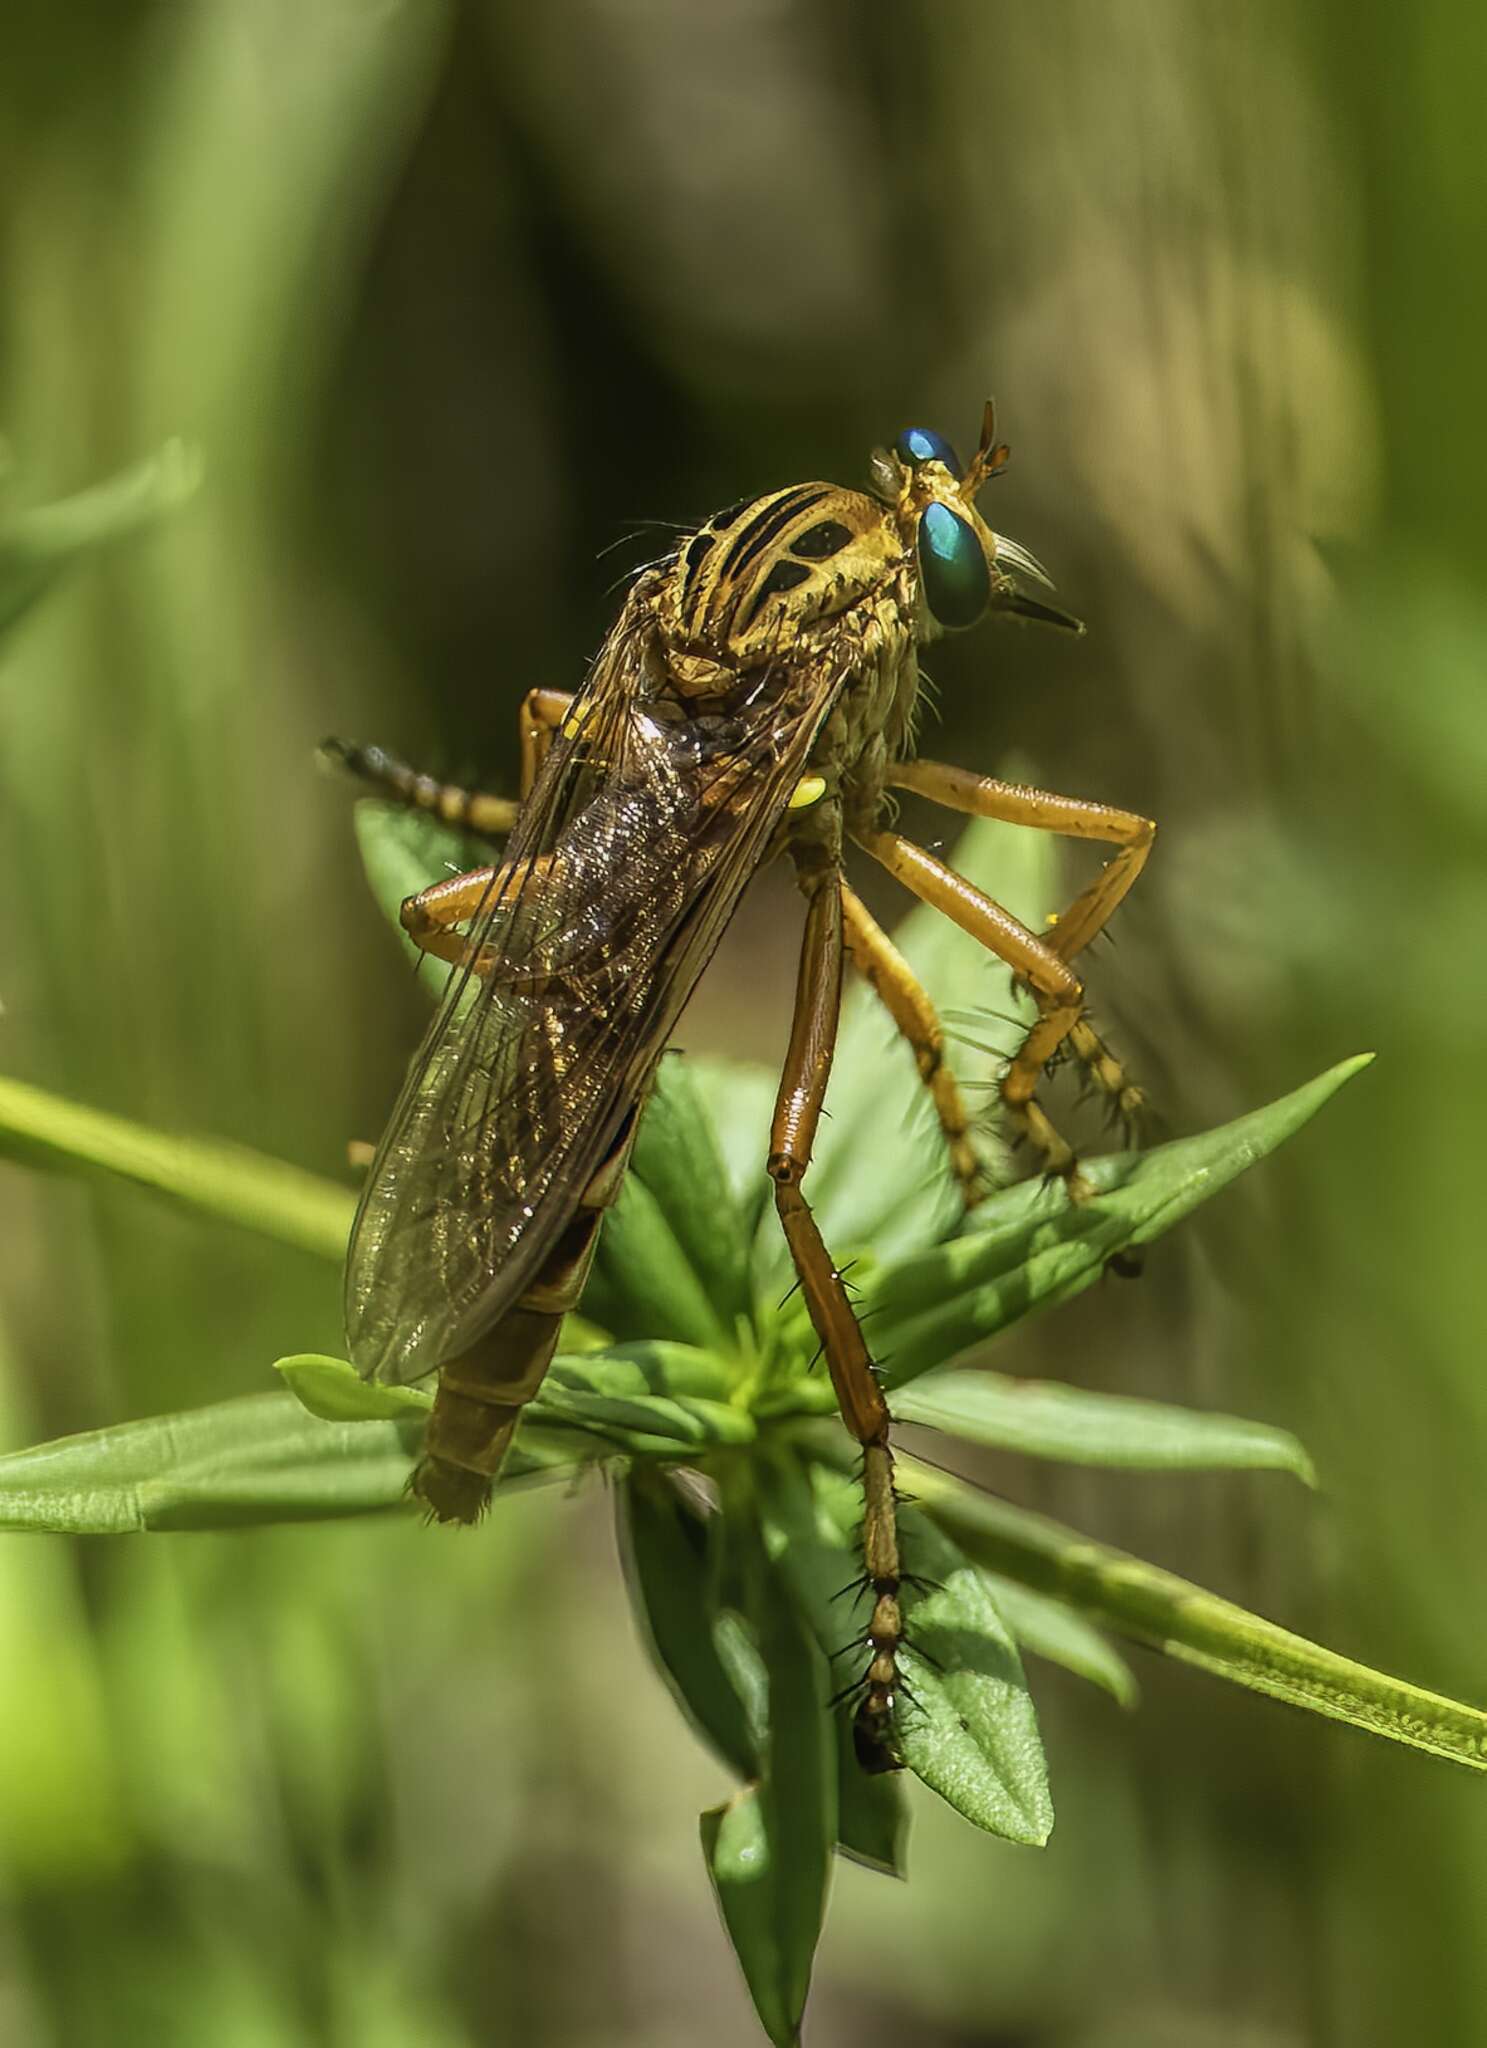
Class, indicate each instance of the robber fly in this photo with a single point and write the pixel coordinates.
(756, 695)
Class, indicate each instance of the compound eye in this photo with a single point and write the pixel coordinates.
(952, 567)
(922, 444)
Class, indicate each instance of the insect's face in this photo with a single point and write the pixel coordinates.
(965, 570)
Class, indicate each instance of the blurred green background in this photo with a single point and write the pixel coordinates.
(454, 297)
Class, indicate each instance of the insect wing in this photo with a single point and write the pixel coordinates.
(623, 868)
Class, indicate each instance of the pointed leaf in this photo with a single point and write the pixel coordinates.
(1030, 1246)
(228, 1181)
(1195, 1627)
(1044, 1419)
(769, 1850)
(259, 1459)
(973, 1737)
(333, 1390)
(739, 1098)
(665, 1553)
(1056, 1633)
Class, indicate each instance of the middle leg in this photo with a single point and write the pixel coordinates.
(860, 1398)
(1055, 986)
(892, 980)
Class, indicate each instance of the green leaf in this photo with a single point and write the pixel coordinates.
(37, 546)
(643, 1284)
(769, 1850)
(651, 1399)
(228, 1181)
(1158, 1608)
(664, 1549)
(677, 1159)
(739, 1099)
(973, 1737)
(259, 1459)
(1046, 1629)
(1031, 1246)
(333, 1390)
(1044, 1419)
(970, 1732)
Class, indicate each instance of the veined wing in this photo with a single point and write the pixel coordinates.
(650, 814)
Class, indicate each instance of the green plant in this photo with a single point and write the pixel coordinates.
(689, 1384)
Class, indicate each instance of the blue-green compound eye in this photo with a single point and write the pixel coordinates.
(922, 444)
(952, 567)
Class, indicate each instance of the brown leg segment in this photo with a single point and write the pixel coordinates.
(893, 981)
(432, 917)
(542, 712)
(1053, 982)
(860, 1398)
(958, 789)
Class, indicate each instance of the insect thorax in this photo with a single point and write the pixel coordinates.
(760, 581)
(813, 576)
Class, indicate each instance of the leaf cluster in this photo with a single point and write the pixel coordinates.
(691, 1382)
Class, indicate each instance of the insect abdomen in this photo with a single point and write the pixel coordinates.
(481, 1395)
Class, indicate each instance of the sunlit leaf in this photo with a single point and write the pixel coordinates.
(1158, 1608)
(678, 1160)
(258, 1459)
(1044, 1419)
(881, 1175)
(1044, 1628)
(334, 1391)
(974, 1735)
(1030, 1246)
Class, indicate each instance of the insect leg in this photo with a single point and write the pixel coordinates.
(983, 796)
(865, 1412)
(892, 980)
(542, 713)
(470, 810)
(1054, 984)
(432, 918)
